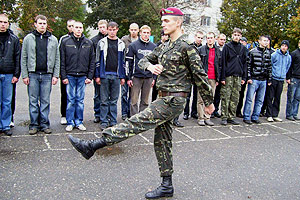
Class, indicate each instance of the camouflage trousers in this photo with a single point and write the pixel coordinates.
(230, 97)
(158, 115)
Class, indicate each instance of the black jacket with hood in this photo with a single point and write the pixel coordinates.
(294, 71)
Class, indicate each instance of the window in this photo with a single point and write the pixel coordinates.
(205, 21)
(187, 18)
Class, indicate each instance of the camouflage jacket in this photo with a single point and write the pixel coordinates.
(182, 64)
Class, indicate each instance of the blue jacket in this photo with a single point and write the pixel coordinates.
(280, 64)
(101, 54)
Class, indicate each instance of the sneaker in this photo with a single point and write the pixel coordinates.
(270, 119)
(195, 116)
(224, 122)
(290, 118)
(296, 118)
(103, 126)
(240, 115)
(69, 128)
(233, 122)
(97, 120)
(185, 117)
(216, 114)
(47, 131)
(81, 127)
(7, 132)
(33, 131)
(209, 122)
(201, 122)
(177, 123)
(247, 121)
(277, 119)
(256, 121)
(124, 117)
(12, 124)
(63, 121)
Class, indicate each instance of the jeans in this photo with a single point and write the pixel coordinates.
(109, 94)
(39, 90)
(96, 100)
(293, 98)
(75, 94)
(6, 89)
(258, 88)
(125, 100)
(140, 86)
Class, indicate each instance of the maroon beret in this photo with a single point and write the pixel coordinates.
(170, 11)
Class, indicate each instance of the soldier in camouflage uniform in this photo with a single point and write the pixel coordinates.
(176, 63)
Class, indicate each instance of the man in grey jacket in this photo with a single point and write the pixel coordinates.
(40, 68)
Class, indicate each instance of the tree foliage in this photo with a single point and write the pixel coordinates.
(8, 7)
(258, 17)
(125, 12)
(57, 12)
(293, 29)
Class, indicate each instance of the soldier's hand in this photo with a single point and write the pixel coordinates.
(155, 69)
(223, 82)
(129, 83)
(26, 81)
(209, 109)
(250, 81)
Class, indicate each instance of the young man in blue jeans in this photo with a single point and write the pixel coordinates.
(259, 70)
(77, 69)
(110, 73)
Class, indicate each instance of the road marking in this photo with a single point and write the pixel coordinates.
(192, 139)
(47, 142)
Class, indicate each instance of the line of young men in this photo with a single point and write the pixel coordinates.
(258, 68)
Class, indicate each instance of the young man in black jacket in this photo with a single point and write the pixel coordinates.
(77, 69)
(140, 81)
(9, 71)
(210, 56)
(293, 79)
(259, 70)
(102, 27)
(233, 75)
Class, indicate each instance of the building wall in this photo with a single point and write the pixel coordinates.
(197, 11)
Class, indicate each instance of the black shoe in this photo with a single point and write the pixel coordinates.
(103, 126)
(124, 117)
(262, 114)
(216, 114)
(164, 190)
(224, 122)
(97, 120)
(233, 122)
(177, 123)
(195, 116)
(240, 115)
(87, 148)
(247, 121)
(256, 121)
(185, 117)
(7, 132)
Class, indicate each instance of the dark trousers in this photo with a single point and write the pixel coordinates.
(264, 107)
(241, 99)
(63, 99)
(154, 92)
(194, 103)
(273, 100)
(217, 98)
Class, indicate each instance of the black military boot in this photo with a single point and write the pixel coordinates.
(87, 148)
(164, 190)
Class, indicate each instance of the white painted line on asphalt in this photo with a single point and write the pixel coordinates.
(144, 138)
(47, 142)
(273, 125)
(231, 128)
(227, 136)
(192, 139)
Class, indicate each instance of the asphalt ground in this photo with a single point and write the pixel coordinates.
(257, 162)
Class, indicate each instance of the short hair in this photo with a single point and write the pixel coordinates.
(113, 24)
(237, 30)
(145, 27)
(70, 20)
(265, 36)
(42, 17)
(4, 15)
(102, 21)
(78, 22)
(211, 33)
(134, 24)
(199, 32)
(221, 34)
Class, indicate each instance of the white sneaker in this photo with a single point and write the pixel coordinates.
(277, 119)
(12, 124)
(270, 119)
(69, 128)
(81, 127)
(63, 121)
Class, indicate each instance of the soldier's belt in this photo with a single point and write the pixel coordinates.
(175, 94)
